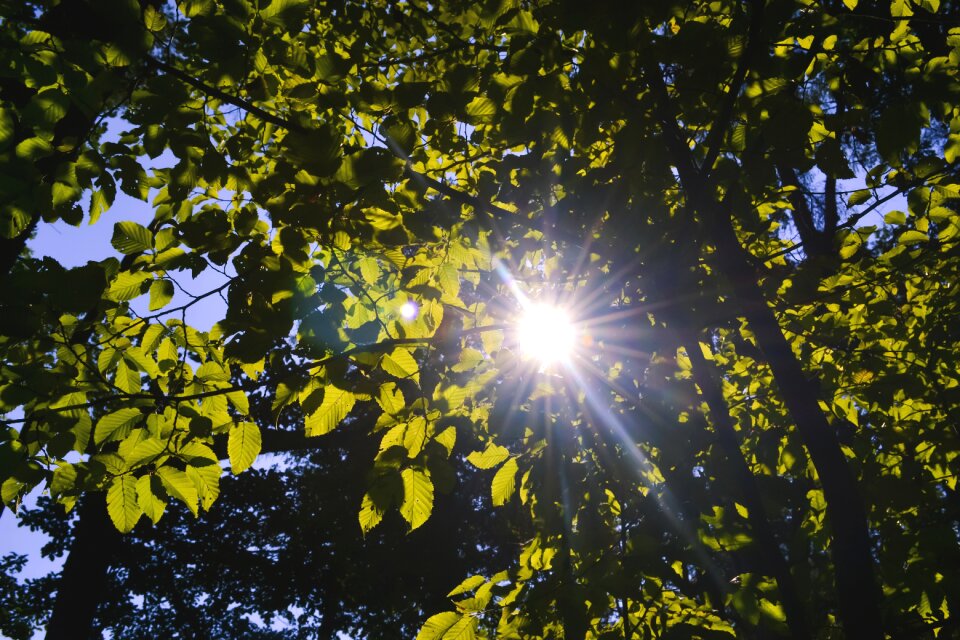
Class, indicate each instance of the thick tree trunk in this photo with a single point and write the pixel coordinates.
(83, 580)
(852, 557)
(857, 589)
(704, 374)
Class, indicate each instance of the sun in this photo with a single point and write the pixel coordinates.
(546, 335)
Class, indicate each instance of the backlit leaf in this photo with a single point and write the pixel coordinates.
(243, 445)
(417, 497)
(335, 406)
(130, 237)
(493, 455)
(178, 485)
(400, 363)
(504, 482)
(116, 425)
(122, 505)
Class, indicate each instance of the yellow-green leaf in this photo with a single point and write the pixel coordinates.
(141, 360)
(467, 585)
(127, 286)
(243, 446)
(180, 487)
(400, 363)
(447, 438)
(913, 237)
(370, 516)
(150, 497)
(390, 398)
(130, 237)
(116, 425)
(122, 503)
(481, 109)
(504, 483)
(161, 293)
(417, 497)
(205, 476)
(449, 626)
(336, 404)
(493, 455)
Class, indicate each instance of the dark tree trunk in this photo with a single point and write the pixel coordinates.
(852, 557)
(85, 573)
(857, 589)
(704, 374)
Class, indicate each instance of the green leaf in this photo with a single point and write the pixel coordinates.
(161, 293)
(192, 8)
(141, 361)
(437, 625)
(467, 585)
(140, 447)
(493, 455)
(180, 486)
(382, 220)
(912, 237)
(240, 401)
(128, 285)
(243, 446)
(100, 201)
(417, 497)
(951, 148)
(122, 503)
(400, 363)
(369, 270)
(33, 149)
(773, 611)
(7, 127)
(481, 110)
(504, 483)
(153, 20)
(130, 237)
(447, 439)
(150, 497)
(410, 435)
(336, 404)
(859, 197)
(370, 514)
(895, 217)
(64, 479)
(449, 626)
(284, 13)
(205, 476)
(390, 398)
(126, 379)
(116, 425)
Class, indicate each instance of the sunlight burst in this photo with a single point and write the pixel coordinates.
(546, 334)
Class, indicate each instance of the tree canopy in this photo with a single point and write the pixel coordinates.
(755, 434)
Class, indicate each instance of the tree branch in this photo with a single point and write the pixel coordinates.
(714, 138)
(857, 589)
(384, 345)
(800, 212)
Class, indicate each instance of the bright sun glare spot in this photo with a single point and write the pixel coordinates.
(546, 334)
(409, 310)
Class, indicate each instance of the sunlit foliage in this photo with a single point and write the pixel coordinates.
(755, 433)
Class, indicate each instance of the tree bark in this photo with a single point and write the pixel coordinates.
(705, 375)
(852, 549)
(857, 589)
(85, 573)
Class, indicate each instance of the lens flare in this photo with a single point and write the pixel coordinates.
(546, 335)
(409, 310)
